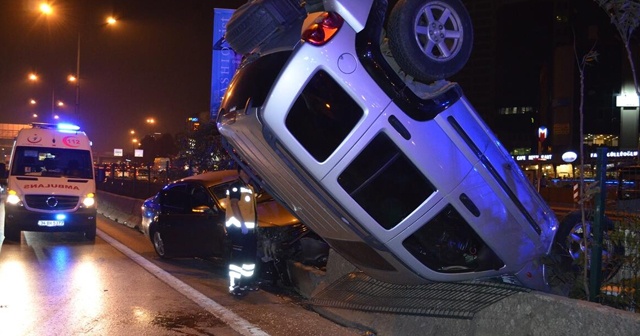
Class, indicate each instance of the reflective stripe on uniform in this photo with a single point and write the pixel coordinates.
(233, 221)
(246, 270)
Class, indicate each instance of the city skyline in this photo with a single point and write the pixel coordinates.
(154, 63)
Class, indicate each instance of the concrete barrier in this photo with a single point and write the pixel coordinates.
(532, 313)
(122, 209)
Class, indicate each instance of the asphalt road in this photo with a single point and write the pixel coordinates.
(60, 284)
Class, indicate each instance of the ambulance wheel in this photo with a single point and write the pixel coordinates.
(11, 234)
(90, 234)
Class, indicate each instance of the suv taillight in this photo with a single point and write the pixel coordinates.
(323, 28)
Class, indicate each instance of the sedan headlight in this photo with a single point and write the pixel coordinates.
(89, 200)
(12, 197)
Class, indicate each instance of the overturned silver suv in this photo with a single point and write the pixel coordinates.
(355, 129)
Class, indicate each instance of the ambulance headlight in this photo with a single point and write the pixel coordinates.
(89, 200)
(12, 197)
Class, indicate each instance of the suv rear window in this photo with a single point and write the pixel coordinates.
(322, 116)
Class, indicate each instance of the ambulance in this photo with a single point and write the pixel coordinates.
(50, 186)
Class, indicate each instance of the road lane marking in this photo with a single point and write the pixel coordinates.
(236, 322)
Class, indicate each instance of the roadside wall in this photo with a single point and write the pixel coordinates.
(121, 209)
(532, 313)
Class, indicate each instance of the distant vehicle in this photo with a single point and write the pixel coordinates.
(142, 174)
(628, 188)
(401, 177)
(161, 164)
(187, 219)
(51, 184)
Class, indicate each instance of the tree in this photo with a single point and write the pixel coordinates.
(163, 146)
(202, 148)
(587, 59)
(625, 15)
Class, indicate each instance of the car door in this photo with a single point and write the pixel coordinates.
(205, 223)
(191, 224)
(174, 207)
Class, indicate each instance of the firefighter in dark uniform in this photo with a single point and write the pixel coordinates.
(241, 221)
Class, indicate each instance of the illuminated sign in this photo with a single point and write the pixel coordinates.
(117, 152)
(542, 133)
(534, 157)
(627, 101)
(619, 154)
(569, 156)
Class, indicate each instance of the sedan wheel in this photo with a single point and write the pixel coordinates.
(158, 245)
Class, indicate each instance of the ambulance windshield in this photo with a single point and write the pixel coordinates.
(52, 162)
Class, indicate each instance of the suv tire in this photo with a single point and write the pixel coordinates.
(569, 237)
(258, 21)
(430, 39)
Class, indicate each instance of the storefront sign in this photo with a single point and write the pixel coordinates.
(569, 156)
(618, 154)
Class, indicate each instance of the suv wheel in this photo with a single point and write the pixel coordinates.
(258, 21)
(430, 39)
(571, 234)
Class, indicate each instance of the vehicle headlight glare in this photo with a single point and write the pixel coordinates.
(89, 201)
(13, 199)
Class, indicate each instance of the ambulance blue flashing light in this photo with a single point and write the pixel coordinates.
(68, 127)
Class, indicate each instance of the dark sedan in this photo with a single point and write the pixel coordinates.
(186, 218)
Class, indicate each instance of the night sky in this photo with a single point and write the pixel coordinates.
(156, 62)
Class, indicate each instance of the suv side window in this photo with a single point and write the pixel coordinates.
(322, 116)
(448, 244)
(385, 183)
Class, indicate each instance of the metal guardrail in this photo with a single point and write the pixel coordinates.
(461, 300)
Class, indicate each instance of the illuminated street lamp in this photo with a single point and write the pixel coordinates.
(151, 122)
(48, 10)
(134, 142)
(34, 78)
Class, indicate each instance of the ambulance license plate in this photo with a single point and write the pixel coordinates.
(50, 223)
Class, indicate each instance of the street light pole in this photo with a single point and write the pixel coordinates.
(53, 105)
(78, 79)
